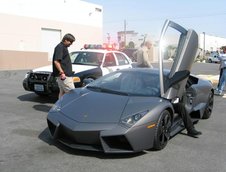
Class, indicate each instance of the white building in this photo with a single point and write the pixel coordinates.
(210, 42)
(35, 27)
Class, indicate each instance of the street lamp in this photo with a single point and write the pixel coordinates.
(125, 32)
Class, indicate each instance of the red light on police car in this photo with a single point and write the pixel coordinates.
(86, 46)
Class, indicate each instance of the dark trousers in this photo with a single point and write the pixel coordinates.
(185, 116)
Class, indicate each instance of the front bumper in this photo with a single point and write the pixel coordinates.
(42, 83)
(108, 138)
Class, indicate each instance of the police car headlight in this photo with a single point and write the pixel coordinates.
(131, 120)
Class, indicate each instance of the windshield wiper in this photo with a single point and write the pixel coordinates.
(105, 90)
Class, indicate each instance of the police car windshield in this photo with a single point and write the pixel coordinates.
(87, 58)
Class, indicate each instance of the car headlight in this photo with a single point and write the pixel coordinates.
(131, 120)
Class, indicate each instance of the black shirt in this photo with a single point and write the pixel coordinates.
(61, 54)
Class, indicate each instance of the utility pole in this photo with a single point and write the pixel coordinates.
(204, 42)
(125, 32)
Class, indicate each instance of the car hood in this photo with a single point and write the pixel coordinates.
(80, 68)
(98, 107)
(95, 107)
(140, 104)
(75, 68)
(43, 69)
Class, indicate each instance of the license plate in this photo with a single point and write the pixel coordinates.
(38, 87)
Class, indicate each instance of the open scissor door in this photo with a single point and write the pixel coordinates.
(177, 51)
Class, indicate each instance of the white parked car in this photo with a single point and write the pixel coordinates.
(87, 64)
(213, 58)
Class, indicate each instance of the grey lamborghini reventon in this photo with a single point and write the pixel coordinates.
(132, 110)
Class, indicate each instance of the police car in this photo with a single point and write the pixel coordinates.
(88, 64)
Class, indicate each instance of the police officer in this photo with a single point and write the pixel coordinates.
(145, 55)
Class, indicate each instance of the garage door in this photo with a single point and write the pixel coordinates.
(50, 38)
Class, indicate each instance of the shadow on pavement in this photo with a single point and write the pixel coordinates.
(32, 97)
(44, 103)
(43, 108)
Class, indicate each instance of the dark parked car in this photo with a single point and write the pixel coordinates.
(132, 110)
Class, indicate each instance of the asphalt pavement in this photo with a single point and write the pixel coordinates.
(25, 144)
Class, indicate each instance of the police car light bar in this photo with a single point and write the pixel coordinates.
(99, 46)
(93, 46)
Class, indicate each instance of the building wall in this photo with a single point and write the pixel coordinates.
(23, 22)
(17, 60)
(24, 33)
(210, 42)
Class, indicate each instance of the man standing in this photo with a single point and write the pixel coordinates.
(145, 55)
(222, 81)
(62, 67)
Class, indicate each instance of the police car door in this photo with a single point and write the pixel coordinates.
(177, 51)
(123, 62)
(109, 64)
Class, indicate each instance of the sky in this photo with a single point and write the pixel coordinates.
(148, 16)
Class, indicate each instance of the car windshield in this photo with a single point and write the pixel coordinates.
(87, 58)
(134, 83)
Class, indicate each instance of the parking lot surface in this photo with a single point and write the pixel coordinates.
(25, 144)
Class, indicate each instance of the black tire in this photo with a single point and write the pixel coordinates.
(210, 61)
(209, 107)
(162, 134)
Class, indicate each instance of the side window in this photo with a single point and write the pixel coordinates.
(122, 60)
(109, 60)
(73, 56)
